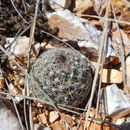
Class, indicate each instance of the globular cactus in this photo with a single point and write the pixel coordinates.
(62, 73)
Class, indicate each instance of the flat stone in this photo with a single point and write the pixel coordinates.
(111, 76)
(128, 72)
(42, 117)
(58, 125)
(115, 102)
(83, 6)
(21, 46)
(53, 116)
(70, 26)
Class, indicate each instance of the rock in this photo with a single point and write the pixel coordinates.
(46, 128)
(120, 6)
(42, 117)
(116, 42)
(20, 46)
(59, 5)
(125, 17)
(58, 125)
(39, 104)
(69, 119)
(77, 29)
(14, 89)
(8, 119)
(70, 26)
(120, 121)
(19, 81)
(53, 116)
(128, 72)
(2, 81)
(116, 104)
(111, 76)
(64, 74)
(91, 47)
(53, 43)
(83, 6)
(38, 127)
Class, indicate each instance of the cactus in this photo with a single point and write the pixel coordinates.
(62, 73)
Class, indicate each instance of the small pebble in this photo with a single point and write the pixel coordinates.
(53, 116)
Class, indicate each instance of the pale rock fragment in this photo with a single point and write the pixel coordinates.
(92, 45)
(77, 29)
(39, 104)
(111, 76)
(53, 116)
(128, 72)
(20, 46)
(59, 5)
(83, 6)
(116, 104)
(8, 119)
(58, 125)
(120, 121)
(69, 119)
(50, 45)
(19, 81)
(125, 17)
(120, 6)
(38, 127)
(99, 126)
(2, 81)
(46, 128)
(117, 44)
(70, 26)
(14, 90)
(42, 117)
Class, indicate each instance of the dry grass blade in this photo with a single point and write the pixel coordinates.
(18, 35)
(121, 52)
(103, 44)
(29, 53)
(32, 31)
(103, 18)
